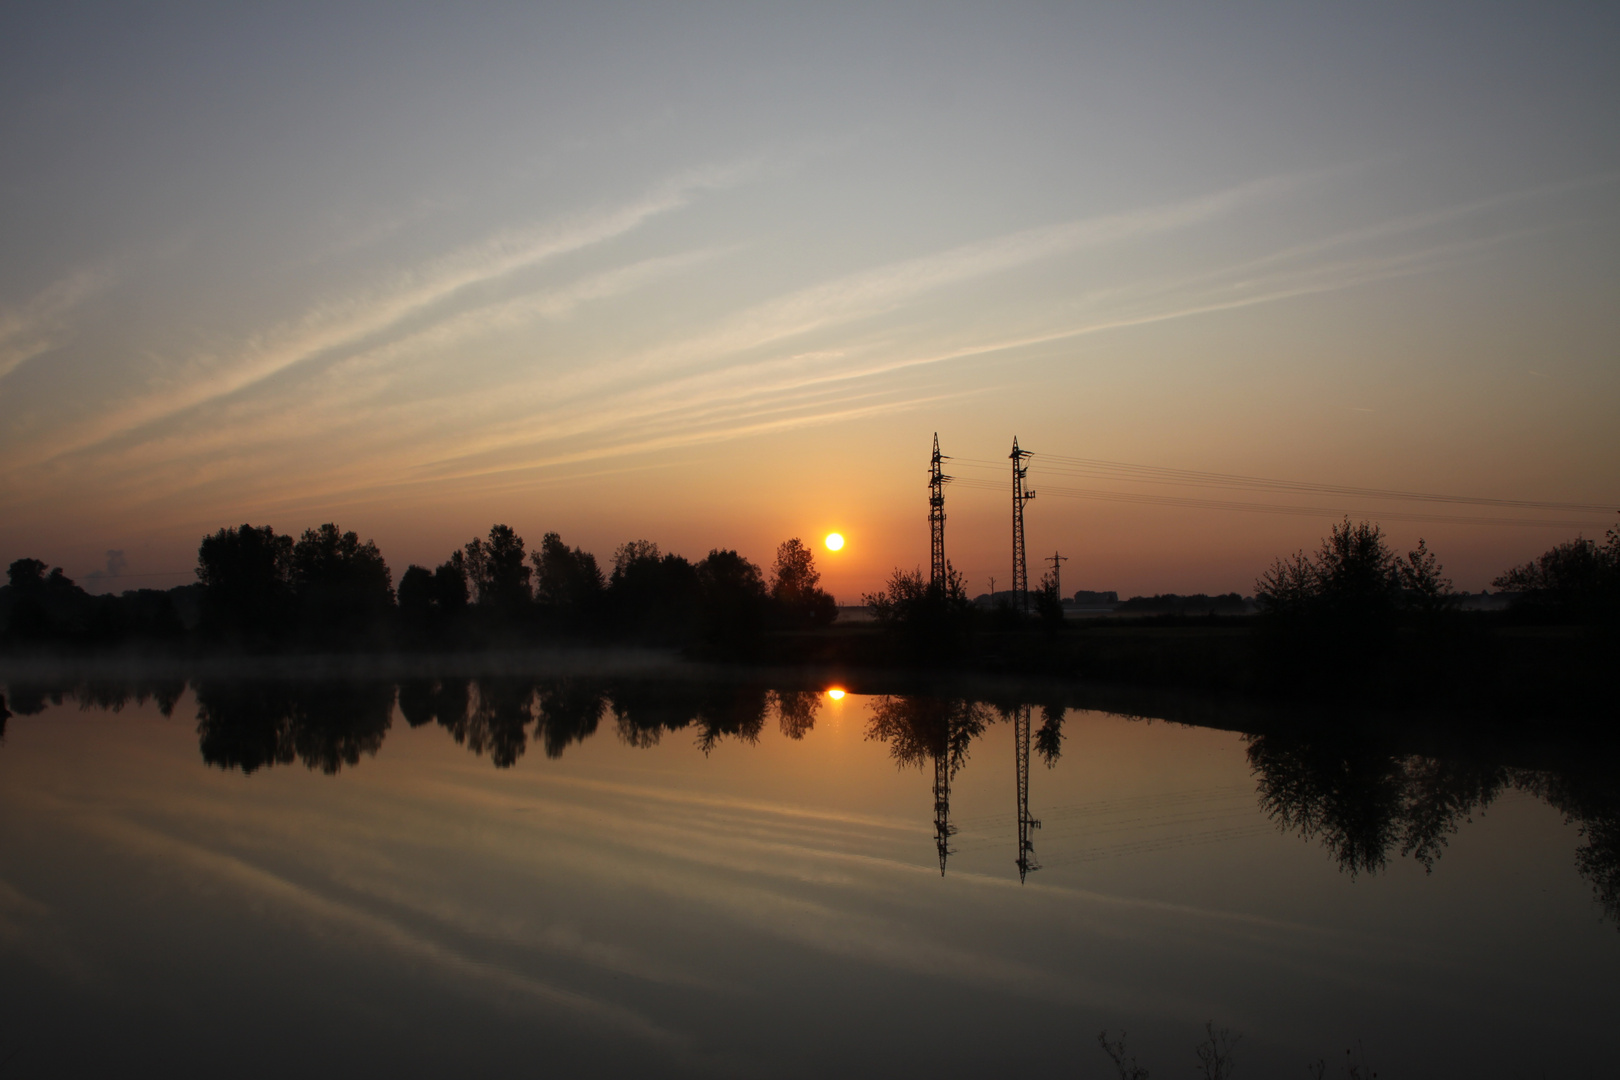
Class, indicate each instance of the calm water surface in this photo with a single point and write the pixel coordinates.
(574, 878)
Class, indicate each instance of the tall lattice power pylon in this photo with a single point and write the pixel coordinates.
(1026, 824)
(936, 517)
(1020, 582)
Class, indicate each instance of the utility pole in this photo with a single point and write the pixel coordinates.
(1020, 583)
(943, 829)
(936, 519)
(1026, 824)
(1057, 570)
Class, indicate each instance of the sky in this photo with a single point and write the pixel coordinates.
(714, 275)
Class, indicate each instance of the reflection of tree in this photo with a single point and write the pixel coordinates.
(250, 725)
(738, 711)
(244, 725)
(1439, 795)
(1362, 800)
(1346, 793)
(796, 711)
(334, 723)
(498, 721)
(1049, 737)
(922, 728)
(570, 711)
(645, 710)
(30, 699)
(1589, 795)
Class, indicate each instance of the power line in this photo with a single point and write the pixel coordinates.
(1097, 468)
(1143, 498)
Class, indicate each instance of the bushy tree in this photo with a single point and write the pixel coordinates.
(247, 574)
(795, 587)
(653, 596)
(931, 622)
(342, 587)
(431, 601)
(496, 571)
(1334, 615)
(1048, 604)
(567, 579)
(38, 606)
(732, 601)
(1580, 579)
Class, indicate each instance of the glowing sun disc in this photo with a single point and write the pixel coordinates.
(836, 694)
(834, 541)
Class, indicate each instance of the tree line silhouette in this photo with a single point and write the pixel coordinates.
(1354, 618)
(261, 591)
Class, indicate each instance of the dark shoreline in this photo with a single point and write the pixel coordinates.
(1543, 684)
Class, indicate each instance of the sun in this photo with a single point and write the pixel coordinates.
(834, 541)
(836, 693)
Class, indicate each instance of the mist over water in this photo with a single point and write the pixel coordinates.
(613, 870)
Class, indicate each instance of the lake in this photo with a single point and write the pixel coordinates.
(612, 875)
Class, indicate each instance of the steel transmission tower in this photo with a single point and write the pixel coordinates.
(936, 518)
(1020, 582)
(1026, 824)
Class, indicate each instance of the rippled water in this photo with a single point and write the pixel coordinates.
(597, 877)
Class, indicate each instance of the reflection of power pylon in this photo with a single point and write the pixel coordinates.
(1020, 582)
(943, 829)
(936, 517)
(1026, 824)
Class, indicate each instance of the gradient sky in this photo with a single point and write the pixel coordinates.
(714, 275)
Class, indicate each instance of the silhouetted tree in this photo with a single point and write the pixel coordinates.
(1579, 579)
(1333, 616)
(1048, 604)
(431, 601)
(932, 622)
(567, 581)
(795, 587)
(1425, 588)
(247, 572)
(732, 602)
(343, 588)
(418, 599)
(496, 571)
(653, 597)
